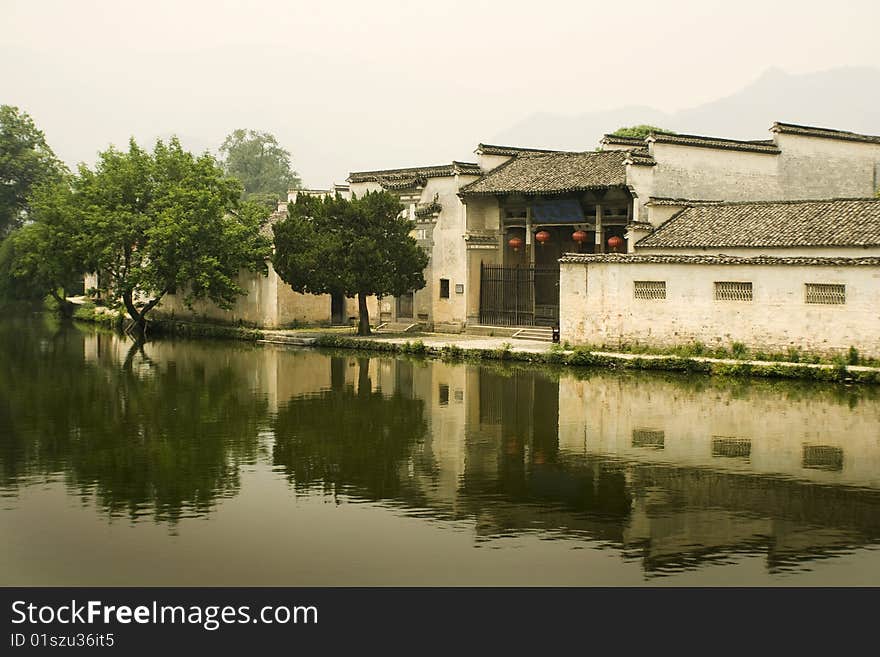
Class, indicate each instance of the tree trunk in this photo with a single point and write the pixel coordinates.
(65, 307)
(363, 315)
(139, 323)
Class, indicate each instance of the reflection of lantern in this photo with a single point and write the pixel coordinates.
(515, 243)
(542, 236)
(615, 242)
(579, 236)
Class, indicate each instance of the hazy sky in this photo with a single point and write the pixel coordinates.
(355, 85)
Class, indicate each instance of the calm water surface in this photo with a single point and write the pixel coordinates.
(221, 463)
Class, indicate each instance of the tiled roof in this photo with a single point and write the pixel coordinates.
(641, 156)
(554, 173)
(623, 141)
(428, 209)
(664, 200)
(415, 173)
(774, 224)
(753, 146)
(644, 259)
(492, 149)
(827, 133)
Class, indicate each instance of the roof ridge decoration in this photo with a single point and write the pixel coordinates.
(700, 141)
(432, 171)
(643, 258)
(618, 139)
(496, 149)
(771, 224)
(825, 133)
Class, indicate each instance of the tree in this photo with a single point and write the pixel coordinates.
(358, 247)
(45, 256)
(167, 221)
(260, 163)
(25, 162)
(640, 131)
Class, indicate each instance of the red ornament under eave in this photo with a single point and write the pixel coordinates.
(615, 242)
(579, 236)
(515, 243)
(542, 236)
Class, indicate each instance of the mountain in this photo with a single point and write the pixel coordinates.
(842, 98)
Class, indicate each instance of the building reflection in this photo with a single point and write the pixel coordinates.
(673, 472)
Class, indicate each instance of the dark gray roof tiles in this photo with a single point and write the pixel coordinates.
(825, 133)
(642, 258)
(553, 173)
(761, 224)
(752, 146)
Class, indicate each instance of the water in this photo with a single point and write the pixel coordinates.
(221, 463)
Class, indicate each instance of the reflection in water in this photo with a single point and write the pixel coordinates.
(145, 437)
(667, 474)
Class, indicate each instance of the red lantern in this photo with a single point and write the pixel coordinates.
(515, 243)
(542, 236)
(579, 236)
(615, 242)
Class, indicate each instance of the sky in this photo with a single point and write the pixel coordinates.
(348, 85)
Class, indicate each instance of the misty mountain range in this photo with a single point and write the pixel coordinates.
(841, 98)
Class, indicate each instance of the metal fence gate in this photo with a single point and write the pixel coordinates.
(519, 296)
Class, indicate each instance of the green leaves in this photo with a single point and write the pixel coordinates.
(168, 220)
(361, 246)
(26, 161)
(357, 247)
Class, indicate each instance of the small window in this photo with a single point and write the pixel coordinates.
(826, 293)
(459, 288)
(649, 289)
(444, 394)
(444, 288)
(648, 438)
(733, 291)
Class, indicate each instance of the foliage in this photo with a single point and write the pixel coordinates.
(260, 163)
(358, 247)
(45, 256)
(26, 161)
(640, 131)
(167, 221)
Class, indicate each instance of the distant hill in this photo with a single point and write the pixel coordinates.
(842, 98)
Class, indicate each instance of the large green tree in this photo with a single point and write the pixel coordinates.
(358, 247)
(167, 221)
(25, 162)
(46, 255)
(260, 163)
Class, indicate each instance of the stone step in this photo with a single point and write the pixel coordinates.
(397, 327)
(298, 340)
(535, 333)
(497, 331)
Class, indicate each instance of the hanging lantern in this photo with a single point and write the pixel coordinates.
(515, 243)
(615, 242)
(542, 236)
(579, 236)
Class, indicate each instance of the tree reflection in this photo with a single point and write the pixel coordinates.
(347, 438)
(144, 439)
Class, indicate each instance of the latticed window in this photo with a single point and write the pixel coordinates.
(649, 289)
(733, 291)
(828, 293)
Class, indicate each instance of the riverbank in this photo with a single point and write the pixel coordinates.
(461, 347)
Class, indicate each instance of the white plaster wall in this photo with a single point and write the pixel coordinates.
(824, 168)
(777, 426)
(708, 173)
(597, 307)
(448, 256)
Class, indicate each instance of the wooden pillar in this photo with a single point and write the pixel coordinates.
(600, 232)
(530, 242)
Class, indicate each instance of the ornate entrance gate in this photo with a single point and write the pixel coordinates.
(519, 296)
